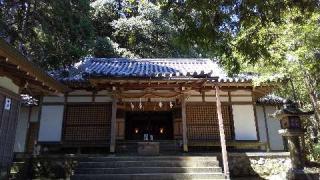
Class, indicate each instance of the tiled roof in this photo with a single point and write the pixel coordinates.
(153, 67)
(146, 68)
(141, 68)
(271, 99)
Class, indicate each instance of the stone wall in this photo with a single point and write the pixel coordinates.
(265, 165)
(44, 167)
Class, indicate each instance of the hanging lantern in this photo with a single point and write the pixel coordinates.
(140, 104)
(160, 104)
(171, 105)
(161, 130)
(132, 106)
(136, 130)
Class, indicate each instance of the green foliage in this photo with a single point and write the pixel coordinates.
(57, 33)
(317, 151)
(148, 33)
(106, 48)
(291, 48)
(53, 33)
(221, 28)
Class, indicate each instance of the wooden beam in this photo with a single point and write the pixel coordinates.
(113, 126)
(15, 57)
(222, 136)
(20, 78)
(184, 124)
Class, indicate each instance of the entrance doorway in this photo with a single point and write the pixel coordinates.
(157, 124)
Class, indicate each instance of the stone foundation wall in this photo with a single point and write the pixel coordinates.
(43, 167)
(260, 164)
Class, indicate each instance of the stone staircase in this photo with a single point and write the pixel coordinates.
(148, 168)
(166, 146)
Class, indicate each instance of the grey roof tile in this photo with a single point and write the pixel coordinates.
(146, 68)
(271, 99)
(140, 68)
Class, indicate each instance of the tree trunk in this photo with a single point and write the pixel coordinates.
(313, 97)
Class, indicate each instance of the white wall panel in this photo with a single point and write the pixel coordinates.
(79, 99)
(53, 99)
(276, 141)
(213, 99)
(103, 99)
(244, 122)
(103, 92)
(51, 123)
(163, 99)
(213, 92)
(261, 124)
(7, 83)
(134, 100)
(241, 98)
(193, 92)
(81, 92)
(241, 92)
(194, 99)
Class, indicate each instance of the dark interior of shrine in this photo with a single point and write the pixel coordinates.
(157, 124)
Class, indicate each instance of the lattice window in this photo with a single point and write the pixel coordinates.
(87, 124)
(202, 121)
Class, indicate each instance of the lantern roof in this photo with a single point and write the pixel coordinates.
(290, 108)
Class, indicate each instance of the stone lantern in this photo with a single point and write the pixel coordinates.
(292, 130)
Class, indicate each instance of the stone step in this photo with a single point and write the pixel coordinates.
(153, 163)
(138, 170)
(147, 158)
(149, 176)
(163, 147)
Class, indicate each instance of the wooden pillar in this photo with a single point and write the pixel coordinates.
(222, 136)
(39, 119)
(266, 128)
(113, 126)
(184, 124)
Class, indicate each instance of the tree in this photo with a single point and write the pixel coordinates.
(52, 33)
(146, 32)
(213, 25)
(293, 50)
(139, 27)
